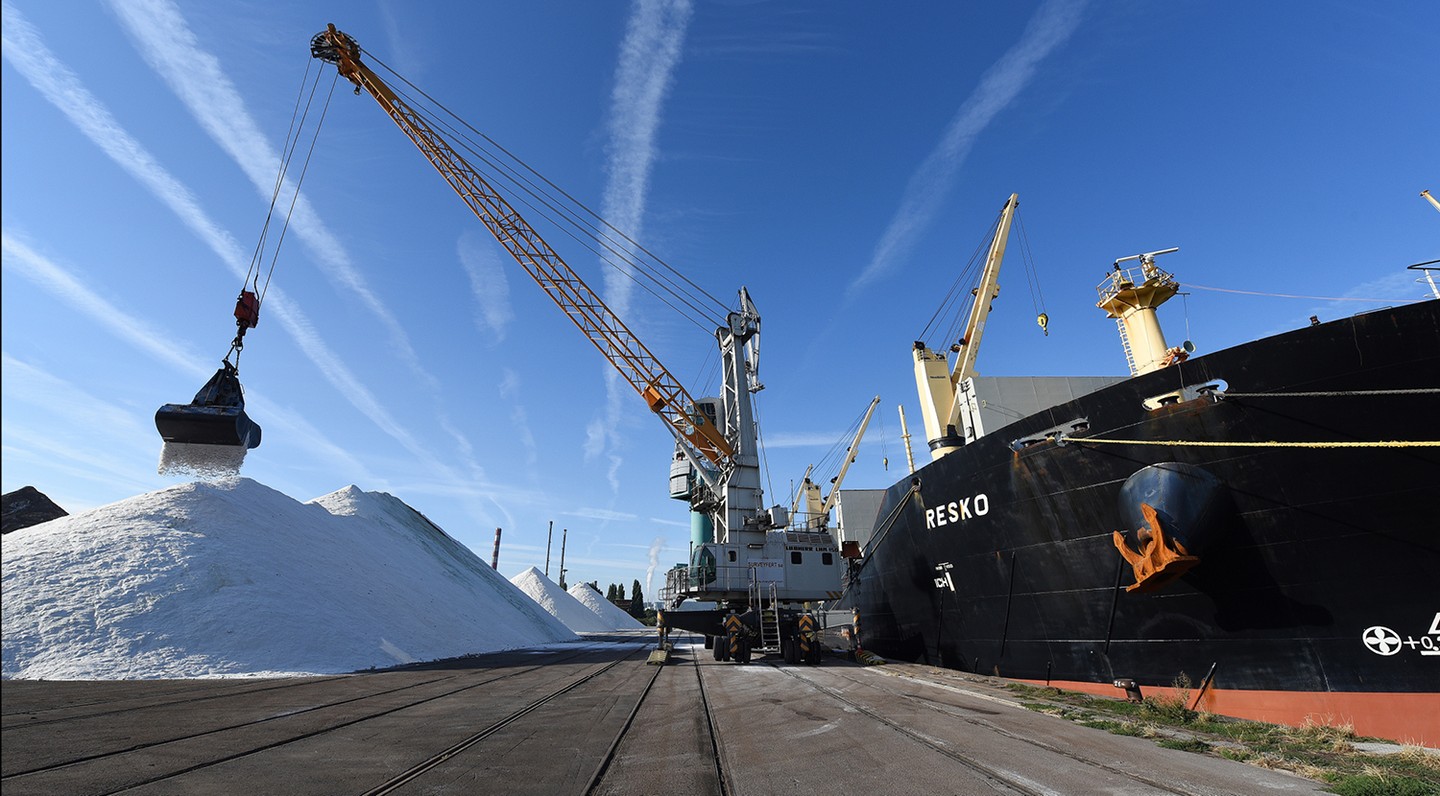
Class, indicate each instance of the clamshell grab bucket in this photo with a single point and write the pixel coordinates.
(216, 416)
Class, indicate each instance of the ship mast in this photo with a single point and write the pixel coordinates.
(1131, 298)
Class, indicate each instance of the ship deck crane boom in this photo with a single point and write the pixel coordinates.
(941, 388)
(986, 294)
(850, 454)
(819, 508)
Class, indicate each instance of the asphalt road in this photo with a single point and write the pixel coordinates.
(588, 718)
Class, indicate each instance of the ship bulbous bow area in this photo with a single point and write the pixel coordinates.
(1173, 512)
(215, 417)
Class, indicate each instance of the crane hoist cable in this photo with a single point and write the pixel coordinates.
(948, 315)
(621, 256)
(829, 464)
(612, 246)
(252, 294)
(1032, 277)
(216, 416)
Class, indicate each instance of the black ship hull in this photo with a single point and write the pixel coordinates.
(1315, 596)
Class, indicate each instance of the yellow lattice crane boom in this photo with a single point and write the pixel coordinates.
(640, 368)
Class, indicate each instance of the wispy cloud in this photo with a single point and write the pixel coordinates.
(69, 443)
(648, 57)
(25, 50)
(30, 384)
(400, 55)
(196, 77)
(488, 284)
(802, 439)
(19, 258)
(649, 53)
(519, 418)
(999, 86)
(605, 515)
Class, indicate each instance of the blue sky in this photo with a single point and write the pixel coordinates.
(840, 162)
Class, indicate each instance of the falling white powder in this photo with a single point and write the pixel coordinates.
(206, 462)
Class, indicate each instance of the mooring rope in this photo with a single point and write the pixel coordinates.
(1331, 394)
(1260, 443)
(1194, 286)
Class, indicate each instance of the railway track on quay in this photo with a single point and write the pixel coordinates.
(586, 719)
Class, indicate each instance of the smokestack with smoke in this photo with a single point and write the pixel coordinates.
(655, 545)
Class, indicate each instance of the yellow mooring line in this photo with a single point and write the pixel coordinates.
(1262, 444)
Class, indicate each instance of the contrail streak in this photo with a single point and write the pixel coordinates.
(1051, 26)
(649, 54)
(24, 260)
(196, 77)
(24, 49)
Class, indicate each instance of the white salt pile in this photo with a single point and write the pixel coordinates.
(575, 614)
(232, 578)
(609, 613)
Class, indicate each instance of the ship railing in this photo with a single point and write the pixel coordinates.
(808, 521)
(1126, 278)
(1427, 276)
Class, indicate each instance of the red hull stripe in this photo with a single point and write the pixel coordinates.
(1408, 718)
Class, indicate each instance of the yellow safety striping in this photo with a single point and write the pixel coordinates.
(1260, 444)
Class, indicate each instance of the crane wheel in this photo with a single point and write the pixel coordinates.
(790, 650)
(742, 650)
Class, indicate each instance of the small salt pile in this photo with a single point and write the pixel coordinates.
(611, 615)
(576, 615)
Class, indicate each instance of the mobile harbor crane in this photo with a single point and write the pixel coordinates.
(745, 559)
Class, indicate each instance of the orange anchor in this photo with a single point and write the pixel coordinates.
(1156, 564)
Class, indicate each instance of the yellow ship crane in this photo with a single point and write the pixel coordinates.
(944, 391)
(662, 392)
